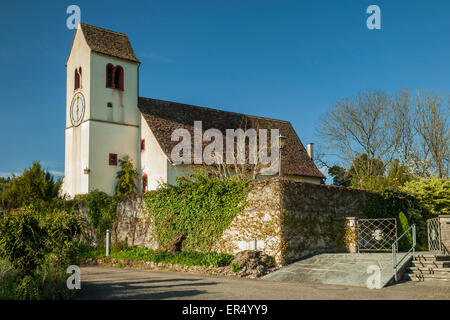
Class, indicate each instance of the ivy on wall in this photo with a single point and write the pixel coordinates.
(199, 207)
(101, 211)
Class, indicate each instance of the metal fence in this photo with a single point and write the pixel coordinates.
(376, 234)
(434, 234)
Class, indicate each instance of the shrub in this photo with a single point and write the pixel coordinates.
(406, 242)
(127, 177)
(63, 231)
(432, 193)
(22, 240)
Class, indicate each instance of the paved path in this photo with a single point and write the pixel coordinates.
(348, 269)
(114, 283)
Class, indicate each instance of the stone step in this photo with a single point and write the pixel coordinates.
(430, 264)
(426, 277)
(432, 257)
(422, 270)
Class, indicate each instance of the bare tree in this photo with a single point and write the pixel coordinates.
(433, 129)
(360, 125)
(402, 120)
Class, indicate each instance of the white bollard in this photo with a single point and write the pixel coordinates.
(107, 242)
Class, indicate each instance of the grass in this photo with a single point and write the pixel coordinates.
(8, 278)
(187, 258)
(47, 283)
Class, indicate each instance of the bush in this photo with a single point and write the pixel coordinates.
(432, 193)
(127, 176)
(39, 245)
(406, 242)
(22, 240)
(48, 283)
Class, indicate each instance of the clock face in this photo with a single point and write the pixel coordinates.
(77, 108)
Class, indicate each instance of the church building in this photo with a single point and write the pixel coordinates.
(106, 119)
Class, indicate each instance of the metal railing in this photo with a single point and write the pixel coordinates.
(396, 263)
(434, 234)
(376, 234)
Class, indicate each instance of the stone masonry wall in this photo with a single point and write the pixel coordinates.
(314, 218)
(445, 233)
(284, 218)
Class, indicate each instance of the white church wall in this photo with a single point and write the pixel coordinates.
(154, 162)
(121, 135)
(125, 102)
(106, 138)
(77, 138)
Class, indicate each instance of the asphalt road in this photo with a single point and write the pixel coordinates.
(114, 283)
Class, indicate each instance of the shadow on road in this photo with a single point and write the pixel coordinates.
(141, 289)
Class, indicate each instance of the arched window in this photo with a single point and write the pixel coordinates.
(77, 83)
(109, 75)
(114, 77)
(109, 105)
(144, 183)
(118, 77)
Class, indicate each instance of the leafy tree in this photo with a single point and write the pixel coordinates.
(34, 184)
(432, 193)
(3, 183)
(340, 176)
(397, 174)
(127, 177)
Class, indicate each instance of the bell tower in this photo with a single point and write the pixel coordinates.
(102, 116)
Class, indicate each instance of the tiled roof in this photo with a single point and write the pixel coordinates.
(163, 117)
(108, 42)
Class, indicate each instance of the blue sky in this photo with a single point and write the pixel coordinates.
(281, 59)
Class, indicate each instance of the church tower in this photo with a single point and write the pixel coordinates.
(102, 115)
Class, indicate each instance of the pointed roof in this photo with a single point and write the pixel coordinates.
(163, 117)
(108, 42)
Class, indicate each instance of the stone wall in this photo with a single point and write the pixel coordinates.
(133, 224)
(284, 218)
(290, 219)
(445, 233)
(314, 218)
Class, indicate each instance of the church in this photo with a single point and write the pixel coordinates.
(106, 119)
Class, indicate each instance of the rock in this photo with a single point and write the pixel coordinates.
(253, 263)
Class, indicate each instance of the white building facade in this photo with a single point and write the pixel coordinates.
(107, 120)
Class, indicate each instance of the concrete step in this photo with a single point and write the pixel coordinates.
(432, 257)
(430, 264)
(422, 270)
(426, 277)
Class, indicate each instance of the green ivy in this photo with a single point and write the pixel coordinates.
(200, 206)
(101, 211)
